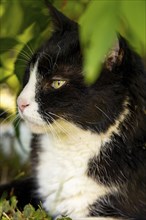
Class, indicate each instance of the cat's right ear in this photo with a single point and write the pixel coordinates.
(115, 55)
(60, 21)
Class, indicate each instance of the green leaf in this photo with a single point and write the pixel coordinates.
(7, 43)
(11, 19)
(33, 13)
(25, 56)
(13, 202)
(28, 211)
(135, 14)
(22, 60)
(19, 15)
(97, 35)
(3, 80)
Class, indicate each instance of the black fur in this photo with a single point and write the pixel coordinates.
(24, 191)
(121, 85)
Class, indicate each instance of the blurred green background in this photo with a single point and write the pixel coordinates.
(25, 24)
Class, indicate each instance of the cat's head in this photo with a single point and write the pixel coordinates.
(54, 87)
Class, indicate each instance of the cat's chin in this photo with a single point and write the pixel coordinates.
(37, 129)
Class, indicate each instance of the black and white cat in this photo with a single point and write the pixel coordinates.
(89, 142)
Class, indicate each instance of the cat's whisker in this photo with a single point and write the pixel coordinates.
(49, 59)
(17, 116)
(54, 133)
(75, 116)
(22, 65)
(25, 53)
(55, 63)
(21, 53)
(25, 56)
(6, 112)
(55, 122)
(10, 108)
(13, 121)
(103, 113)
(30, 49)
(17, 122)
(70, 115)
(46, 132)
(67, 132)
(24, 60)
(60, 117)
(58, 125)
(8, 119)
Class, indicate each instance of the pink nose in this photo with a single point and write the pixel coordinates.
(22, 104)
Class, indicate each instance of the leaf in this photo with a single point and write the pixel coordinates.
(7, 43)
(23, 59)
(28, 211)
(97, 35)
(25, 56)
(3, 80)
(11, 19)
(35, 14)
(14, 202)
(21, 15)
(135, 13)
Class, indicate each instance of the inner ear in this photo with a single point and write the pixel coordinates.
(114, 56)
(60, 21)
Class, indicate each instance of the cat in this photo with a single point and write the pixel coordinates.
(89, 141)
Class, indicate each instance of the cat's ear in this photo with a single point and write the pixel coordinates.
(60, 21)
(114, 56)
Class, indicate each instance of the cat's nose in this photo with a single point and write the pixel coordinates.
(22, 103)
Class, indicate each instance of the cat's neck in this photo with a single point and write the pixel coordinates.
(63, 133)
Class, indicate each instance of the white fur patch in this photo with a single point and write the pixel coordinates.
(30, 113)
(63, 161)
(61, 174)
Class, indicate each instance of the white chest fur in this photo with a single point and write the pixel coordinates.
(61, 172)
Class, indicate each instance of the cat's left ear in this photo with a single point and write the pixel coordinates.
(60, 21)
(114, 56)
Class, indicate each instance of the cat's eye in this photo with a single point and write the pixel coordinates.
(56, 84)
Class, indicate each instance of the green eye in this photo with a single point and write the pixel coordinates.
(56, 84)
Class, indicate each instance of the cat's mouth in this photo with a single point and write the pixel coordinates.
(36, 125)
(33, 121)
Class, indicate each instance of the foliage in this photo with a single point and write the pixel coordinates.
(100, 22)
(9, 211)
